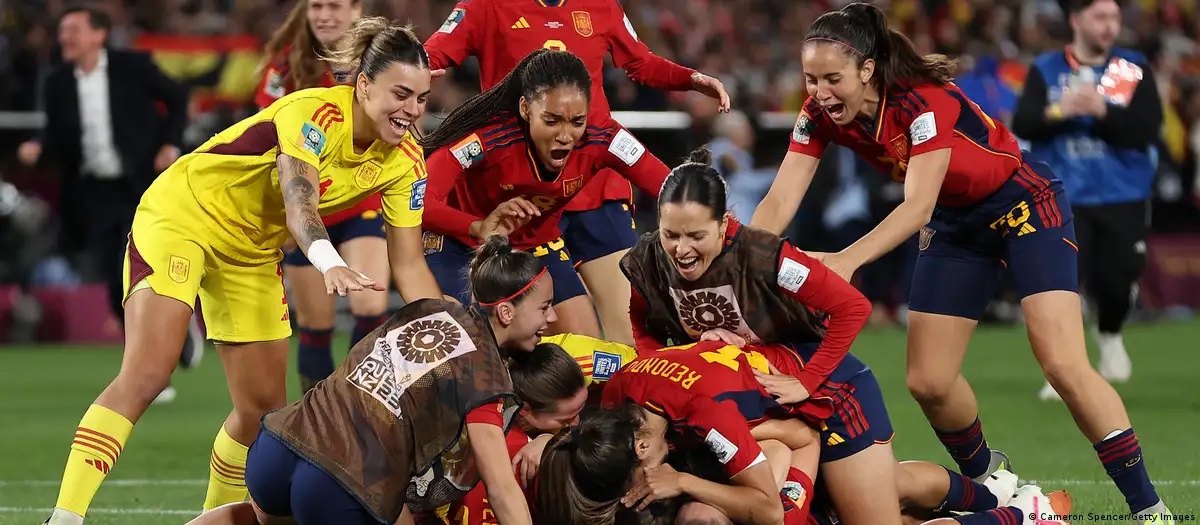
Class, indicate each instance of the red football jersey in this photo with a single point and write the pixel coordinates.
(273, 86)
(474, 508)
(502, 32)
(708, 388)
(918, 120)
(810, 283)
(470, 178)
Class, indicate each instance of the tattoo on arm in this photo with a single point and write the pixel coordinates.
(300, 200)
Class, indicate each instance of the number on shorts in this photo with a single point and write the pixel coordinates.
(557, 45)
(1017, 218)
(544, 250)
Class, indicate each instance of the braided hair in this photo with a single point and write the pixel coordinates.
(537, 73)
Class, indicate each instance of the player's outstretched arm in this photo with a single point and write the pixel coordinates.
(491, 455)
(406, 256)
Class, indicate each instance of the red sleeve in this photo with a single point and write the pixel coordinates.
(810, 135)
(459, 35)
(642, 65)
(934, 113)
(642, 340)
(490, 414)
(812, 284)
(725, 432)
(629, 157)
(444, 170)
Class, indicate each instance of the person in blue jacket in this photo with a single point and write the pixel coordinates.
(1093, 113)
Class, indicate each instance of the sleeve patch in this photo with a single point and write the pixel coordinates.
(923, 128)
(721, 446)
(452, 21)
(312, 139)
(792, 275)
(803, 130)
(627, 148)
(604, 365)
(468, 151)
(274, 86)
(417, 200)
(629, 27)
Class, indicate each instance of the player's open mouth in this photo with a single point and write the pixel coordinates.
(835, 111)
(400, 126)
(687, 265)
(558, 157)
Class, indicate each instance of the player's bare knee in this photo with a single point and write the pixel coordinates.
(926, 388)
(1068, 377)
(701, 514)
(143, 384)
(368, 304)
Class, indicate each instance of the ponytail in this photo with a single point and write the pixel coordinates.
(498, 273)
(538, 72)
(373, 43)
(861, 29)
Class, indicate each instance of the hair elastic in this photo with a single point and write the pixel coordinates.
(517, 293)
(835, 41)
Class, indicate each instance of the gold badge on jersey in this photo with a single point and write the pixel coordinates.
(900, 145)
(583, 23)
(926, 238)
(178, 269)
(432, 242)
(366, 175)
(570, 186)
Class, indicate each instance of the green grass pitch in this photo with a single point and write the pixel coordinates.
(162, 474)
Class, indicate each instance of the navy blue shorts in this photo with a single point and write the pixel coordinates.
(448, 259)
(860, 418)
(369, 224)
(593, 234)
(283, 484)
(1026, 226)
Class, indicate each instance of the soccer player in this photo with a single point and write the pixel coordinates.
(1092, 112)
(597, 223)
(982, 207)
(294, 62)
(509, 159)
(212, 225)
(414, 417)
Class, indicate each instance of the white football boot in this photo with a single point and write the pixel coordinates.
(1039, 509)
(1002, 484)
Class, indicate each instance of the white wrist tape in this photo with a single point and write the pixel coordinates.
(324, 256)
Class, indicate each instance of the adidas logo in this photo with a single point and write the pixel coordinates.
(834, 439)
(521, 24)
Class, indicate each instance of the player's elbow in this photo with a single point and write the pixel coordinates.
(768, 510)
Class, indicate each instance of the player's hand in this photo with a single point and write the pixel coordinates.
(29, 152)
(437, 73)
(508, 217)
(529, 459)
(786, 389)
(660, 482)
(167, 155)
(343, 280)
(713, 88)
(837, 262)
(721, 334)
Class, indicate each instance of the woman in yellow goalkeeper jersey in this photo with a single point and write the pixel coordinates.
(212, 225)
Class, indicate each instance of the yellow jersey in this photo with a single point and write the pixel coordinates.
(599, 359)
(229, 186)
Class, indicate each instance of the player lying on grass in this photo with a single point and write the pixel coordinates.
(509, 159)
(597, 224)
(212, 226)
(979, 205)
(414, 417)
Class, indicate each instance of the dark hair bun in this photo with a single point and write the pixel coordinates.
(701, 155)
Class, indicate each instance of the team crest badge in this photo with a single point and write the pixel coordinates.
(570, 186)
(926, 237)
(583, 23)
(432, 242)
(900, 146)
(178, 269)
(366, 175)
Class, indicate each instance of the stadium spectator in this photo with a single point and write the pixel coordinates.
(109, 139)
(1093, 112)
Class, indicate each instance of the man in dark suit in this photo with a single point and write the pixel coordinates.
(108, 133)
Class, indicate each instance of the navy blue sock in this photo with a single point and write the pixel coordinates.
(363, 324)
(968, 448)
(315, 358)
(968, 495)
(1000, 516)
(1122, 458)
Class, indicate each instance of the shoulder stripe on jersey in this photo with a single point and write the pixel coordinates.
(921, 100)
(326, 115)
(491, 139)
(411, 150)
(914, 103)
(500, 126)
(519, 138)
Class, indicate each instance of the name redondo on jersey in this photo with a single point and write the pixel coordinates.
(672, 371)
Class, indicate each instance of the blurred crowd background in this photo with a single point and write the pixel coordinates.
(214, 48)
